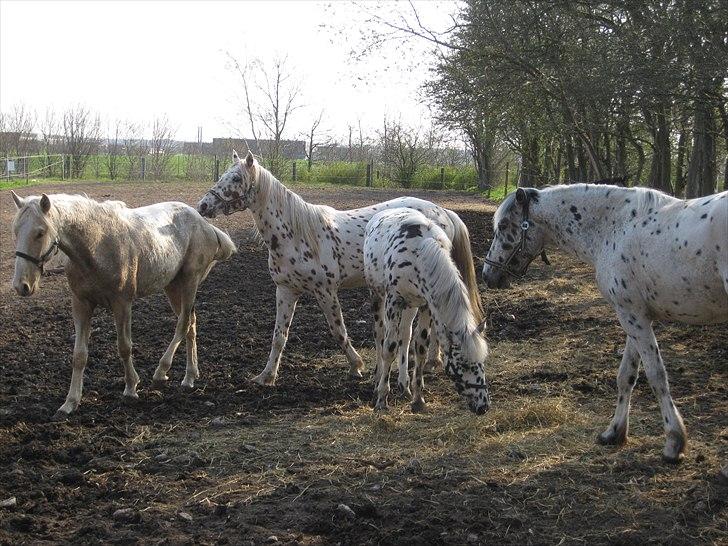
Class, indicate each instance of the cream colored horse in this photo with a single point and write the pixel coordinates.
(115, 255)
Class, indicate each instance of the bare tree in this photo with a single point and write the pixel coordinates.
(113, 149)
(49, 128)
(16, 131)
(80, 137)
(161, 146)
(405, 150)
(313, 139)
(135, 146)
(270, 97)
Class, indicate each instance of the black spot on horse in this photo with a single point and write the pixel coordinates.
(410, 230)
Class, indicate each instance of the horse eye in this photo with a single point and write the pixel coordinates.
(40, 234)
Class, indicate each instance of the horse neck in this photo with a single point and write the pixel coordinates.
(579, 217)
(271, 200)
(77, 223)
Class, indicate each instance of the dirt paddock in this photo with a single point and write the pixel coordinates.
(232, 462)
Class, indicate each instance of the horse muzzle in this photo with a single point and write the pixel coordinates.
(495, 278)
(24, 288)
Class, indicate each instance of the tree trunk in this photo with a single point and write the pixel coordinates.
(572, 173)
(661, 153)
(680, 163)
(701, 172)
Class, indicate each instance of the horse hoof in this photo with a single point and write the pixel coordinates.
(264, 380)
(60, 417)
(159, 384)
(672, 459)
(418, 406)
(130, 399)
(355, 374)
(612, 438)
(379, 408)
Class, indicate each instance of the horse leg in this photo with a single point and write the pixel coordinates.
(644, 338)
(618, 429)
(404, 337)
(186, 291)
(82, 311)
(122, 319)
(329, 303)
(192, 372)
(378, 309)
(285, 307)
(434, 357)
(421, 337)
(392, 321)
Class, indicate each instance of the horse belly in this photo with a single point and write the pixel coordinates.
(696, 302)
(154, 273)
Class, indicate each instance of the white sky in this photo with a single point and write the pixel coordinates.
(136, 60)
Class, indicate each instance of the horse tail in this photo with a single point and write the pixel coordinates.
(225, 245)
(462, 255)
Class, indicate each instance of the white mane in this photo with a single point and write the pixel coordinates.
(307, 219)
(451, 296)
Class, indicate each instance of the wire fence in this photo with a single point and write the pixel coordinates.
(208, 168)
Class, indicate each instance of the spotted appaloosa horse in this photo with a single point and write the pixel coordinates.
(316, 249)
(407, 266)
(115, 255)
(656, 258)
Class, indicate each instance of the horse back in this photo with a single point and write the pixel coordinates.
(675, 260)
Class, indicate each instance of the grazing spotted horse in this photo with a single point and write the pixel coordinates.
(115, 255)
(407, 266)
(656, 258)
(317, 249)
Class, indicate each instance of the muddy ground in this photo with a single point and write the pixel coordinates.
(232, 462)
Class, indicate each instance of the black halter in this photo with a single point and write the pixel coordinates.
(230, 206)
(525, 225)
(43, 259)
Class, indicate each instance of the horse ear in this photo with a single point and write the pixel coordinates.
(19, 201)
(249, 160)
(236, 157)
(521, 196)
(45, 203)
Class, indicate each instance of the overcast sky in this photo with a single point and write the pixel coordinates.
(136, 60)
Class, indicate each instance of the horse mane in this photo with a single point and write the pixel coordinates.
(70, 206)
(642, 198)
(448, 296)
(307, 219)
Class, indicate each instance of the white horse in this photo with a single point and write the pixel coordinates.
(407, 266)
(116, 255)
(656, 258)
(317, 249)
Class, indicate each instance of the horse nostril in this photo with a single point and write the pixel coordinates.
(203, 206)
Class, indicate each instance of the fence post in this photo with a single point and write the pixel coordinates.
(506, 184)
(442, 177)
(144, 168)
(27, 170)
(7, 168)
(294, 170)
(369, 175)
(217, 169)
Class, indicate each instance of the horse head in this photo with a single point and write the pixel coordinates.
(517, 239)
(233, 191)
(465, 365)
(36, 241)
